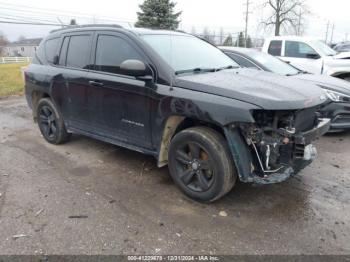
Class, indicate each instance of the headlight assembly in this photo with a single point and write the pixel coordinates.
(337, 97)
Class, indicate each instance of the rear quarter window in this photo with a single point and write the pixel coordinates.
(51, 49)
(243, 62)
(39, 57)
(275, 48)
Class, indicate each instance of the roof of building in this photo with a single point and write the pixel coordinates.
(26, 42)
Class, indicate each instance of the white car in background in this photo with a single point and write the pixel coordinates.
(310, 55)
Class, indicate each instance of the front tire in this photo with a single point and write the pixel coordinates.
(51, 123)
(201, 165)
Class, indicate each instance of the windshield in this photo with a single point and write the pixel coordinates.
(185, 52)
(323, 48)
(273, 64)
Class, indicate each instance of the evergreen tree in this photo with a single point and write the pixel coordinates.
(249, 42)
(228, 41)
(158, 14)
(240, 40)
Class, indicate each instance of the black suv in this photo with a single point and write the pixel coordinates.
(178, 98)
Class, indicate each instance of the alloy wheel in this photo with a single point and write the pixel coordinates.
(48, 121)
(195, 167)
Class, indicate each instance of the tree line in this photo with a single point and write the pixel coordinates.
(280, 15)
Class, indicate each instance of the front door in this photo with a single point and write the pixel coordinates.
(122, 111)
(302, 56)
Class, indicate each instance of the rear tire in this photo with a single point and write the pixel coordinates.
(51, 123)
(201, 165)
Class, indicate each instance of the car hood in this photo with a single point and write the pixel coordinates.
(264, 89)
(328, 82)
(338, 60)
(342, 55)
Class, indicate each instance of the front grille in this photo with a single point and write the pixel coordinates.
(342, 119)
(299, 151)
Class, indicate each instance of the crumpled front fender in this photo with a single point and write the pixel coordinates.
(241, 154)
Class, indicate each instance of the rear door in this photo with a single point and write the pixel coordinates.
(122, 111)
(74, 63)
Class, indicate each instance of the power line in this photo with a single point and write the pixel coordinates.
(24, 18)
(54, 13)
(28, 23)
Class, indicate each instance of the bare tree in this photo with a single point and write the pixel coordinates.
(3, 43)
(206, 34)
(221, 36)
(285, 14)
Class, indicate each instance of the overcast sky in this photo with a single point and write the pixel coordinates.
(228, 14)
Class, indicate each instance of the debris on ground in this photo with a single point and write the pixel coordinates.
(19, 236)
(79, 216)
(178, 234)
(0, 194)
(5, 174)
(39, 212)
(223, 214)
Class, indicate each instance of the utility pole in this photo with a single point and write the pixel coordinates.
(332, 34)
(327, 32)
(246, 23)
(299, 23)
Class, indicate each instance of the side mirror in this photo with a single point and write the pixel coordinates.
(312, 56)
(134, 67)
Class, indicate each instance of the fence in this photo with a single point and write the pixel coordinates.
(13, 60)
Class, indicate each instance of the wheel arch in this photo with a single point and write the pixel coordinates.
(35, 98)
(173, 125)
(240, 153)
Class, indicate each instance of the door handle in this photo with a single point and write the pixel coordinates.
(95, 83)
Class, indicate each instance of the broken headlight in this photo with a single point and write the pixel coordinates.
(336, 96)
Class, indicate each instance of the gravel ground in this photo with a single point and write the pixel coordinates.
(89, 197)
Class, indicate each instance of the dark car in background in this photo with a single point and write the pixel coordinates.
(177, 98)
(337, 90)
(342, 47)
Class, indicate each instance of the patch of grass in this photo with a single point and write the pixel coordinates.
(11, 80)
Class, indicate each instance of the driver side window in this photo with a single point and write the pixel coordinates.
(111, 51)
(298, 50)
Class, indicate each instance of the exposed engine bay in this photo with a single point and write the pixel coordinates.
(280, 141)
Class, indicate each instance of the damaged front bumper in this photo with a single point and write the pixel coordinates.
(339, 112)
(274, 157)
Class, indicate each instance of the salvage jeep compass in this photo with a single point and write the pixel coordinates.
(178, 98)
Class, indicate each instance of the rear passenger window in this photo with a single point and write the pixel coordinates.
(78, 51)
(243, 62)
(51, 49)
(111, 52)
(275, 48)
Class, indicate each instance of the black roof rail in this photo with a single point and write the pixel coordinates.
(86, 25)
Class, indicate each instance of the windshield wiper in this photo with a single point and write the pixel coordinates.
(226, 67)
(300, 72)
(195, 70)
